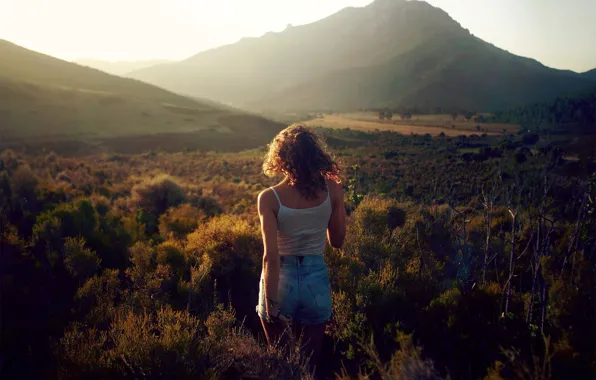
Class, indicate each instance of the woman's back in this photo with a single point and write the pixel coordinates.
(297, 217)
(302, 231)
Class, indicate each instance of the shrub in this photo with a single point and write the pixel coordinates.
(9, 160)
(101, 204)
(180, 221)
(232, 249)
(150, 346)
(158, 194)
(63, 177)
(24, 182)
(405, 364)
(76, 219)
(378, 217)
(97, 297)
(170, 253)
(79, 261)
(155, 196)
(172, 344)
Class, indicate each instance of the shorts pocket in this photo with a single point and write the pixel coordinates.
(321, 294)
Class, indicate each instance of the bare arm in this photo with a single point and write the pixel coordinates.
(271, 253)
(336, 231)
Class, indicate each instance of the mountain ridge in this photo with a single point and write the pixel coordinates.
(119, 68)
(46, 100)
(266, 72)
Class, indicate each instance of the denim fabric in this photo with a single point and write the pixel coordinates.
(304, 290)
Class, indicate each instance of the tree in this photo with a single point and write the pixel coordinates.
(381, 115)
(454, 115)
(469, 115)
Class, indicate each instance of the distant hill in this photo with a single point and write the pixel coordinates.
(590, 74)
(44, 100)
(119, 67)
(390, 53)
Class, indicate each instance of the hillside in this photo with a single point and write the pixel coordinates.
(45, 100)
(590, 74)
(119, 67)
(389, 53)
(451, 73)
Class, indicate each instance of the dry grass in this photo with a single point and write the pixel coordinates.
(419, 124)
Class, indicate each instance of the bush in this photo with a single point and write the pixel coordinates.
(180, 221)
(24, 182)
(97, 297)
(405, 364)
(172, 344)
(77, 219)
(231, 248)
(378, 217)
(149, 346)
(158, 194)
(155, 196)
(79, 261)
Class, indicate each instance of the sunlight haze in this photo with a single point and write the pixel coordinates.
(558, 34)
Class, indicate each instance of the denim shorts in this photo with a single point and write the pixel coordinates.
(304, 290)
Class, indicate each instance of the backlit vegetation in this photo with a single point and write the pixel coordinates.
(468, 257)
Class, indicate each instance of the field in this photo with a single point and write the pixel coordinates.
(121, 265)
(418, 124)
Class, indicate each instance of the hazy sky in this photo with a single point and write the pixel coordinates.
(559, 33)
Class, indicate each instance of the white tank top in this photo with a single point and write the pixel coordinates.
(302, 232)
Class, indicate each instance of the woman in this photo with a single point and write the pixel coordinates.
(297, 216)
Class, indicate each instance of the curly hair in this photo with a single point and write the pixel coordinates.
(299, 153)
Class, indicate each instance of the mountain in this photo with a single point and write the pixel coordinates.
(389, 53)
(44, 100)
(590, 74)
(119, 67)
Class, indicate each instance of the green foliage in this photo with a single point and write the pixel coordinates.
(178, 222)
(98, 296)
(77, 219)
(79, 261)
(564, 114)
(150, 345)
(378, 217)
(44, 97)
(158, 194)
(24, 182)
(155, 196)
(425, 268)
(172, 344)
(406, 363)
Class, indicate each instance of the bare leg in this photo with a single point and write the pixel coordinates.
(311, 339)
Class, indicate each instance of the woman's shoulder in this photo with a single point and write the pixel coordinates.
(266, 195)
(268, 199)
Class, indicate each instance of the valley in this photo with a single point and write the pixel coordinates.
(418, 124)
(133, 225)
